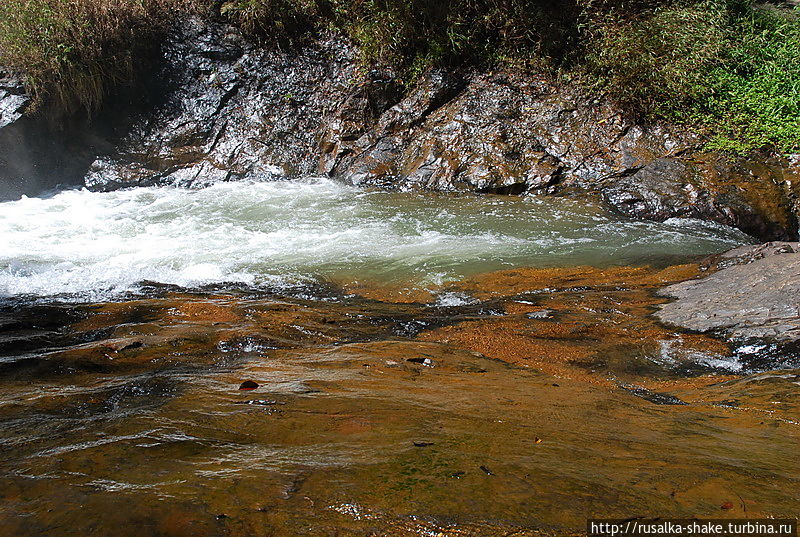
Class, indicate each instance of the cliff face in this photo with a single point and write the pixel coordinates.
(232, 110)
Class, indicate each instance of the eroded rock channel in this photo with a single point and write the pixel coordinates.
(512, 402)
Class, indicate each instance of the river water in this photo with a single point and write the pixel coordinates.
(90, 244)
(426, 365)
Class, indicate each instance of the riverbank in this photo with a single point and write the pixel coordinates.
(219, 106)
(341, 268)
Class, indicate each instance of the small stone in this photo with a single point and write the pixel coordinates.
(542, 314)
(422, 361)
(422, 444)
(727, 506)
(248, 385)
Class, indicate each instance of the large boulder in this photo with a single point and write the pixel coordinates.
(754, 295)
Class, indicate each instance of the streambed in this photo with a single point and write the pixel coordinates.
(446, 365)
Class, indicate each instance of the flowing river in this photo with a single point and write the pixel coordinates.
(268, 234)
(309, 358)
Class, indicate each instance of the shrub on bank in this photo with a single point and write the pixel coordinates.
(723, 65)
(73, 51)
(755, 100)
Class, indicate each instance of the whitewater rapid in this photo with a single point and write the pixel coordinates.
(92, 245)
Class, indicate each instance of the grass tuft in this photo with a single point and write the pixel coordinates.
(73, 52)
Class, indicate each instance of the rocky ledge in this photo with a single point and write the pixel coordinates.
(754, 296)
(223, 108)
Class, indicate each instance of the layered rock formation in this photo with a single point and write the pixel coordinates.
(232, 110)
(755, 295)
(13, 100)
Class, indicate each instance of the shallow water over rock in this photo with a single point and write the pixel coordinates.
(370, 378)
(396, 417)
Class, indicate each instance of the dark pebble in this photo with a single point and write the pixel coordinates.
(248, 385)
(423, 444)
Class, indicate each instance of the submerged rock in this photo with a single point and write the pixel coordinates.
(756, 295)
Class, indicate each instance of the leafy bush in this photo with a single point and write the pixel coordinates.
(723, 65)
(658, 60)
(459, 31)
(755, 97)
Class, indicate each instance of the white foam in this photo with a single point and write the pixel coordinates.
(672, 354)
(450, 299)
(95, 245)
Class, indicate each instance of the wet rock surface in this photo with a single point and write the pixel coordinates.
(13, 100)
(224, 108)
(512, 133)
(41, 150)
(756, 197)
(351, 433)
(232, 110)
(755, 295)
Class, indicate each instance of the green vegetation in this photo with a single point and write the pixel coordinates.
(73, 51)
(755, 97)
(281, 18)
(729, 67)
(726, 66)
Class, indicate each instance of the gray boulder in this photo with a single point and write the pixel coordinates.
(755, 295)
